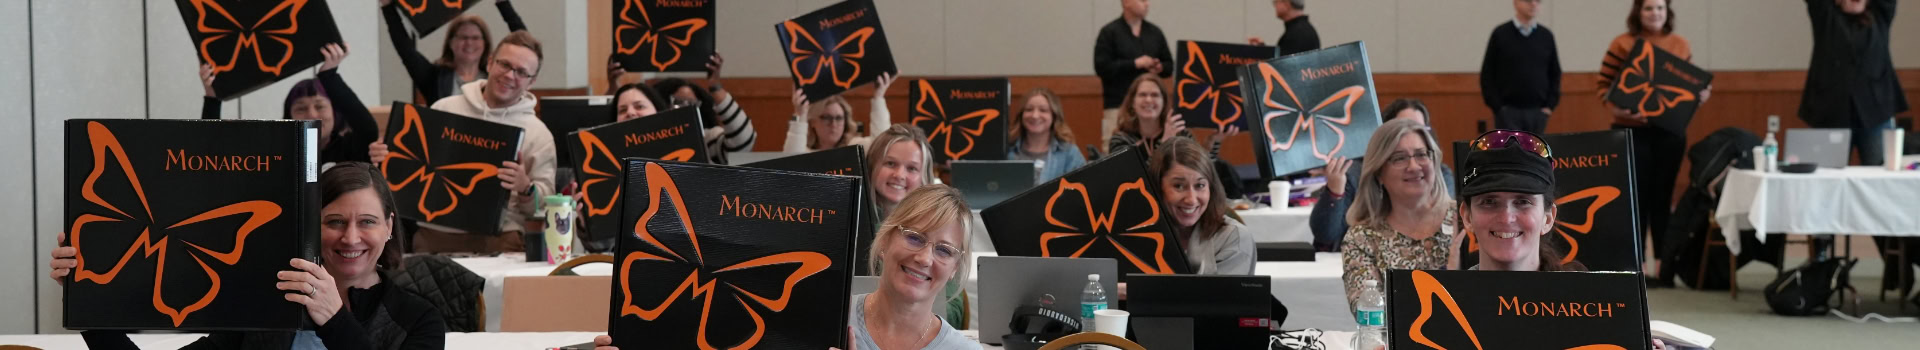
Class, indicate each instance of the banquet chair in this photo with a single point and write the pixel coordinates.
(566, 268)
(1092, 338)
(555, 303)
(17, 347)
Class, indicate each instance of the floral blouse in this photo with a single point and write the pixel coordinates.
(1369, 251)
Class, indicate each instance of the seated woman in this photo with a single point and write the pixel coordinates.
(1329, 217)
(727, 127)
(829, 124)
(1146, 122)
(1402, 217)
(633, 101)
(1215, 244)
(1509, 203)
(897, 164)
(349, 127)
(1039, 132)
(344, 296)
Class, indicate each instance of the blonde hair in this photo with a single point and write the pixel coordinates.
(813, 140)
(877, 151)
(1017, 130)
(1370, 204)
(925, 209)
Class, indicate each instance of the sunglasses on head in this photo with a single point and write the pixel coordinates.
(1525, 141)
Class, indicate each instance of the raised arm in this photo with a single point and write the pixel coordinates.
(514, 23)
(423, 72)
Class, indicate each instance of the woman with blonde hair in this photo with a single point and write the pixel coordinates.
(917, 250)
(1402, 216)
(468, 43)
(897, 161)
(1146, 122)
(1039, 132)
(829, 124)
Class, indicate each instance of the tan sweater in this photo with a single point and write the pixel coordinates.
(536, 147)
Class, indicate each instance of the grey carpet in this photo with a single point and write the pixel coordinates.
(1747, 323)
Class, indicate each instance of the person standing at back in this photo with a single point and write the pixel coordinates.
(1657, 151)
(1126, 48)
(1520, 73)
(1300, 35)
(1851, 84)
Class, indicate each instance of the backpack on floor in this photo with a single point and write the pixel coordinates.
(1804, 290)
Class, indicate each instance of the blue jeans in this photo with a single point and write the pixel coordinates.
(1867, 142)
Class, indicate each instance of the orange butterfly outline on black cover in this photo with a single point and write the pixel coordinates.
(415, 7)
(1429, 289)
(410, 147)
(1196, 88)
(965, 127)
(1642, 70)
(1100, 226)
(809, 58)
(661, 185)
(276, 26)
(603, 170)
(258, 212)
(1305, 118)
(674, 36)
(1601, 196)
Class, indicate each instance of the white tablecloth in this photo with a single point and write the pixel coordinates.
(1328, 340)
(474, 341)
(1854, 200)
(496, 269)
(1312, 291)
(1278, 224)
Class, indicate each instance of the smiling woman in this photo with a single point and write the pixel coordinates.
(916, 251)
(1402, 217)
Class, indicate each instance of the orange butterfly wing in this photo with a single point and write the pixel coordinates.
(849, 56)
(1637, 78)
(265, 38)
(603, 172)
(1099, 227)
(939, 125)
(672, 37)
(1306, 119)
(1601, 195)
(808, 57)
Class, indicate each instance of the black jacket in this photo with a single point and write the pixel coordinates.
(353, 125)
(1851, 78)
(430, 80)
(1113, 54)
(389, 319)
(1520, 71)
(1300, 37)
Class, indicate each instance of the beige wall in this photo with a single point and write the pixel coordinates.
(1055, 37)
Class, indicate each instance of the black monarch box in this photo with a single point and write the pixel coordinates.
(1441, 309)
(1660, 86)
(835, 48)
(429, 15)
(963, 118)
(663, 35)
(1595, 196)
(843, 161)
(674, 135)
(1206, 87)
(230, 202)
(1310, 107)
(251, 44)
(445, 168)
(733, 257)
(1107, 209)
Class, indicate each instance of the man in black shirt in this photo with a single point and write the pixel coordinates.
(1126, 48)
(1520, 74)
(1300, 35)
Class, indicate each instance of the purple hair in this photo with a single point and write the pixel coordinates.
(304, 89)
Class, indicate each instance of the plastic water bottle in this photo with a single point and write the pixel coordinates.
(1370, 315)
(1091, 299)
(1772, 146)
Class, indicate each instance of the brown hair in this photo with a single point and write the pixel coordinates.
(347, 177)
(877, 151)
(813, 140)
(1187, 153)
(1550, 256)
(1370, 203)
(523, 39)
(1633, 19)
(1130, 123)
(923, 210)
(486, 36)
(1061, 132)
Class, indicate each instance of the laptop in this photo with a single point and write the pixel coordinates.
(1168, 312)
(1828, 148)
(1008, 282)
(567, 114)
(988, 182)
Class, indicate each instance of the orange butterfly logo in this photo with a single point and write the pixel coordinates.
(415, 7)
(955, 134)
(412, 158)
(1306, 119)
(809, 58)
(1077, 237)
(154, 240)
(1197, 87)
(1601, 196)
(276, 27)
(601, 190)
(1641, 72)
(1429, 289)
(671, 37)
(666, 195)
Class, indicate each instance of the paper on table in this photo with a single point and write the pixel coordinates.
(1677, 335)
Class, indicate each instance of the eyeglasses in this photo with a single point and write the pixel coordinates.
(680, 102)
(1499, 139)
(829, 118)
(918, 241)
(1402, 158)
(511, 71)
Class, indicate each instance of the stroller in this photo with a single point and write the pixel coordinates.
(1684, 250)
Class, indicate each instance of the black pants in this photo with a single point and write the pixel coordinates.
(1531, 120)
(1656, 165)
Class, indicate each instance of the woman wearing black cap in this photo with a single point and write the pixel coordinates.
(1507, 202)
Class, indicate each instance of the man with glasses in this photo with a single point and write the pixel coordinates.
(501, 98)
